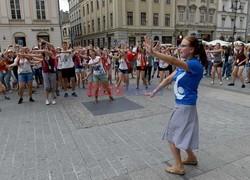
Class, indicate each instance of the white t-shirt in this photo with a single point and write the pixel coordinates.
(65, 61)
(122, 64)
(24, 66)
(97, 68)
(138, 60)
(163, 64)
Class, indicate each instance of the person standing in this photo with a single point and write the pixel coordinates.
(182, 131)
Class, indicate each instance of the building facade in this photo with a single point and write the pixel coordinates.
(197, 17)
(226, 20)
(24, 21)
(65, 26)
(107, 23)
(75, 18)
(248, 24)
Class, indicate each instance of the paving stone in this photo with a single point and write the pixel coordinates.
(215, 174)
(145, 174)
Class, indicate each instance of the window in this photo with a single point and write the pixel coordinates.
(83, 10)
(103, 3)
(143, 0)
(181, 15)
(167, 20)
(223, 20)
(111, 19)
(104, 22)
(202, 16)
(192, 15)
(93, 26)
(143, 19)
(156, 1)
(167, 39)
(211, 1)
(203, 1)
(211, 16)
(224, 6)
(155, 19)
(168, 1)
(87, 8)
(15, 9)
(97, 4)
(84, 28)
(129, 18)
(110, 1)
(232, 22)
(40, 9)
(241, 22)
(92, 6)
(88, 27)
(98, 24)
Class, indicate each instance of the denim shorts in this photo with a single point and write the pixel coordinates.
(27, 77)
(100, 78)
(123, 71)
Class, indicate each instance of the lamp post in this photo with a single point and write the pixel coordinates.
(235, 6)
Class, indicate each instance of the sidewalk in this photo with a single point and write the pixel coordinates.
(66, 141)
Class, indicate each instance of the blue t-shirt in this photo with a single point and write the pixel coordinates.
(186, 83)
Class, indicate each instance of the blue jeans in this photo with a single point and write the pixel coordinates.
(227, 68)
(5, 79)
(209, 68)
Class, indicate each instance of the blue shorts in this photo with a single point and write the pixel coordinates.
(27, 77)
(123, 71)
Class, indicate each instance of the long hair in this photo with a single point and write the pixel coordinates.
(199, 49)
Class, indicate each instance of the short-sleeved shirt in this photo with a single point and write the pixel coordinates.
(23, 66)
(66, 61)
(186, 83)
(98, 69)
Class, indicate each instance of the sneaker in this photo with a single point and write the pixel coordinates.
(31, 99)
(212, 82)
(6, 97)
(221, 83)
(66, 95)
(57, 93)
(20, 100)
(54, 102)
(47, 102)
(10, 91)
(231, 84)
(243, 86)
(74, 94)
(227, 78)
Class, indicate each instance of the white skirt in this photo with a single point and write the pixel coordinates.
(183, 127)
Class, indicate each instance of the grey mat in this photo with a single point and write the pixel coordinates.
(106, 106)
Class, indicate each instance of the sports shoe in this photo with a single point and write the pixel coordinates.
(243, 86)
(47, 102)
(31, 99)
(212, 82)
(66, 95)
(221, 83)
(74, 94)
(20, 100)
(6, 97)
(231, 84)
(54, 102)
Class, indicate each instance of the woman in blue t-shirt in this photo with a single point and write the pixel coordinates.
(182, 131)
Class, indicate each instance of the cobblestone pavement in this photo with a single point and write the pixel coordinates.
(40, 142)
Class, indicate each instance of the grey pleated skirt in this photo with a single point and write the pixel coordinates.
(183, 127)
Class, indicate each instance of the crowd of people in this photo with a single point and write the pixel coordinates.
(84, 66)
(93, 67)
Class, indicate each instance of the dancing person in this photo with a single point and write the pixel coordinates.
(182, 131)
(99, 77)
(241, 58)
(218, 63)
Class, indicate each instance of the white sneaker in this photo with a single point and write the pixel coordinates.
(212, 82)
(221, 83)
(47, 102)
(54, 102)
(227, 78)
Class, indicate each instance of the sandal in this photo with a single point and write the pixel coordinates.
(175, 170)
(187, 161)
